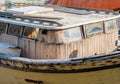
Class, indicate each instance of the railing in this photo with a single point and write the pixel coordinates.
(32, 20)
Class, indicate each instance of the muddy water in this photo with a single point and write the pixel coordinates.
(109, 76)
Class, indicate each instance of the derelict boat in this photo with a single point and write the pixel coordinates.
(59, 45)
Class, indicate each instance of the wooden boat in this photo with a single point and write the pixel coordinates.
(99, 4)
(59, 45)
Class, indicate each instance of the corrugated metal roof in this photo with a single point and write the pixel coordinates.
(100, 4)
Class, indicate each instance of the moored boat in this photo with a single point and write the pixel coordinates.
(54, 45)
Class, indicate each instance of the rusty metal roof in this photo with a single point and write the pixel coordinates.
(100, 4)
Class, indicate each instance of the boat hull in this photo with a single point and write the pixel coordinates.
(104, 69)
(107, 76)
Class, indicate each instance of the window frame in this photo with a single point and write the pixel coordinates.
(80, 37)
(92, 26)
(111, 30)
(5, 28)
(9, 33)
(29, 37)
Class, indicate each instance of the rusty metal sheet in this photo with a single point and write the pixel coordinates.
(100, 4)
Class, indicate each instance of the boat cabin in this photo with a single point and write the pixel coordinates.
(58, 32)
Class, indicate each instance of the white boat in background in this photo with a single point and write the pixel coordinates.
(59, 45)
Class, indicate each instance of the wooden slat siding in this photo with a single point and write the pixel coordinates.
(57, 51)
(28, 48)
(83, 48)
(87, 46)
(79, 50)
(21, 45)
(61, 51)
(102, 44)
(65, 51)
(105, 43)
(114, 36)
(32, 49)
(110, 47)
(90, 49)
(68, 49)
(99, 44)
(112, 42)
(24, 46)
(41, 50)
(13, 39)
(38, 48)
(54, 55)
(45, 54)
(1, 39)
(101, 41)
(50, 37)
(46, 51)
(80, 45)
(9, 38)
(72, 47)
(59, 36)
(108, 42)
(95, 45)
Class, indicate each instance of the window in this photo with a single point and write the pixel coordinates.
(30, 32)
(3, 27)
(119, 32)
(72, 34)
(95, 28)
(110, 26)
(14, 30)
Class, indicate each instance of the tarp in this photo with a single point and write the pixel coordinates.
(100, 4)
